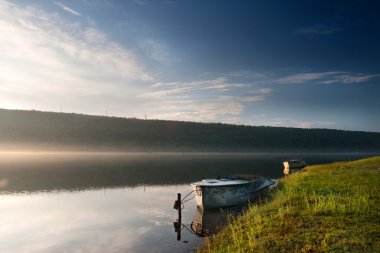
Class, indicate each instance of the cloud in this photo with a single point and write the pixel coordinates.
(318, 30)
(265, 90)
(158, 51)
(259, 95)
(46, 60)
(252, 98)
(219, 84)
(313, 124)
(221, 109)
(161, 84)
(285, 122)
(249, 75)
(326, 78)
(218, 99)
(68, 9)
(49, 62)
(305, 77)
(357, 78)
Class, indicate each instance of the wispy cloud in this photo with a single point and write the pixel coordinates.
(326, 78)
(217, 99)
(286, 122)
(265, 90)
(219, 84)
(256, 95)
(313, 124)
(46, 59)
(158, 51)
(257, 76)
(221, 109)
(305, 77)
(67, 9)
(356, 78)
(50, 61)
(318, 30)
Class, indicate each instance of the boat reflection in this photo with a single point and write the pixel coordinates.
(209, 222)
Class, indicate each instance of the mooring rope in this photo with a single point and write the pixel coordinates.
(188, 199)
(187, 195)
(190, 230)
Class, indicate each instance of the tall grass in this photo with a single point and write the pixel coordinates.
(325, 208)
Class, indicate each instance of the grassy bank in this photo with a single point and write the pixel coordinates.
(326, 208)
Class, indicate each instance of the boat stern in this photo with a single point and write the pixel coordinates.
(198, 195)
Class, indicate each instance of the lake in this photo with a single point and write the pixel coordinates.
(114, 202)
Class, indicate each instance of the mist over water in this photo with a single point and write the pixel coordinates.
(114, 201)
(44, 171)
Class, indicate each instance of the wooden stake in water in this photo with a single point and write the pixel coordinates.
(178, 223)
(179, 207)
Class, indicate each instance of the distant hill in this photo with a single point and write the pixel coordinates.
(67, 130)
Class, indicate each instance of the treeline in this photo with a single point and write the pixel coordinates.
(51, 129)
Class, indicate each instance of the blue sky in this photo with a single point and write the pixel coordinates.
(310, 64)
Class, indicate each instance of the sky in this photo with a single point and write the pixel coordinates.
(308, 64)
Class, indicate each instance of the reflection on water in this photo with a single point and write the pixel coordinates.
(109, 220)
(208, 222)
(115, 203)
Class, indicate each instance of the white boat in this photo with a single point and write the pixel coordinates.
(293, 166)
(224, 192)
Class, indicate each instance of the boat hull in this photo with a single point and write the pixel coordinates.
(293, 166)
(210, 197)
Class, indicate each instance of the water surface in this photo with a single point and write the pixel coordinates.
(114, 202)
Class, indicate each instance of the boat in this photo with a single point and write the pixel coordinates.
(229, 191)
(293, 166)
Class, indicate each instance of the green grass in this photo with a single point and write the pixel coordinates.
(325, 208)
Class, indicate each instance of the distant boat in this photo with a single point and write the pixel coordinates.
(224, 192)
(293, 166)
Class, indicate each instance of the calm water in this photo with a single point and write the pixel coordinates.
(115, 202)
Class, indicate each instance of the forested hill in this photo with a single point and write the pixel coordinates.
(65, 130)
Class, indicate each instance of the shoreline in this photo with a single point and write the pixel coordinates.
(326, 208)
